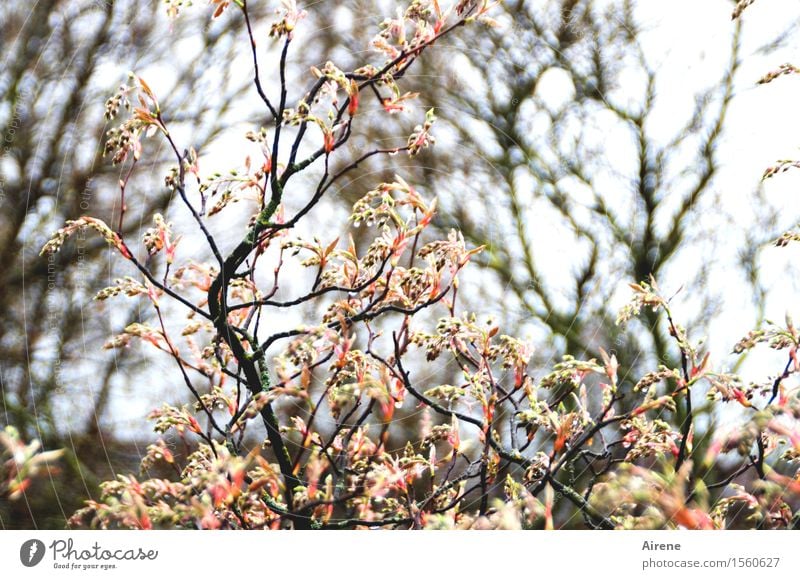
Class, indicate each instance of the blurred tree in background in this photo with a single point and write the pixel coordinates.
(527, 112)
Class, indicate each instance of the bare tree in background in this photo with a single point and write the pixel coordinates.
(563, 172)
(522, 155)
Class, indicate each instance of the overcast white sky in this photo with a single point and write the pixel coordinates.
(764, 127)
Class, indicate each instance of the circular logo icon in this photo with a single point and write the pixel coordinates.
(32, 552)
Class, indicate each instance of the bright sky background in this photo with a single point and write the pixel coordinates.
(763, 127)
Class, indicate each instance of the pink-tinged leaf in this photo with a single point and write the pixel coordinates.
(352, 106)
(329, 140)
(741, 397)
(194, 425)
(331, 247)
(146, 88)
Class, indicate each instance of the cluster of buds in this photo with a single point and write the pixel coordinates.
(421, 138)
(786, 238)
(144, 118)
(172, 180)
(120, 142)
(117, 100)
(72, 226)
(645, 295)
(159, 238)
(538, 468)
(648, 438)
(663, 373)
(289, 15)
(127, 285)
(785, 68)
(780, 167)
